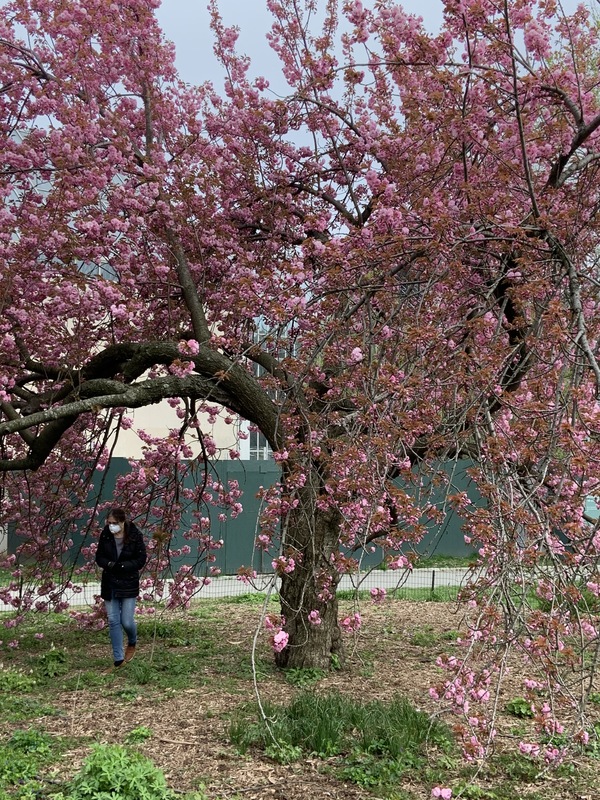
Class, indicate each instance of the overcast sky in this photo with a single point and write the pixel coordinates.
(186, 23)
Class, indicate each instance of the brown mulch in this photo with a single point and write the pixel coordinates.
(190, 741)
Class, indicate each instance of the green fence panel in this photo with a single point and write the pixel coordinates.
(239, 533)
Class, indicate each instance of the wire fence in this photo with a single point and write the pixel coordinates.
(441, 583)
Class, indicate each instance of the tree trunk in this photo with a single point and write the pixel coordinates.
(311, 538)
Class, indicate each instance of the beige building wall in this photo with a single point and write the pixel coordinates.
(158, 419)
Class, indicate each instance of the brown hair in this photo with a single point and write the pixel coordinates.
(119, 515)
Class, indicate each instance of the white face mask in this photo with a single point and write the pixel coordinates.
(113, 528)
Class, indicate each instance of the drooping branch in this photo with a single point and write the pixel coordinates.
(217, 379)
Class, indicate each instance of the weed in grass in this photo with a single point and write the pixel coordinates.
(594, 697)
(15, 708)
(167, 670)
(21, 759)
(173, 632)
(353, 594)
(140, 672)
(283, 753)
(369, 772)
(517, 767)
(472, 791)
(246, 668)
(252, 598)
(128, 694)
(15, 680)
(205, 648)
(443, 594)
(424, 637)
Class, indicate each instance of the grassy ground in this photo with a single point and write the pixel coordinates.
(184, 716)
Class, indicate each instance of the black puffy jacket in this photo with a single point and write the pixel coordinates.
(123, 579)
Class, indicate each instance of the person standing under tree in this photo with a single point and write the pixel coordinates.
(121, 554)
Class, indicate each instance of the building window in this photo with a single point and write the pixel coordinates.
(259, 447)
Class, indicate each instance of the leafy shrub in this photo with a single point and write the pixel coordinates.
(112, 772)
(53, 663)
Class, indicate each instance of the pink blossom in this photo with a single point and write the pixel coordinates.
(283, 564)
(189, 347)
(378, 595)
(279, 641)
(442, 792)
(351, 623)
(314, 618)
(529, 749)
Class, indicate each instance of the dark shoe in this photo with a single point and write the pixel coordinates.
(119, 664)
(129, 652)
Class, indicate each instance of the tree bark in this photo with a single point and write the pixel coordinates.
(311, 538)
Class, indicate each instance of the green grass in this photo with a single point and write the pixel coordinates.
(421, 594)
(428, 637)
(372, 743)
(23, 758)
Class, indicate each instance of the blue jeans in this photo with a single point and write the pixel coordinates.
(120, 612)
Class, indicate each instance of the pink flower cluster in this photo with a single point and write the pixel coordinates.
(279, 638)
(283, 564)
(351, 623)
(378, 595)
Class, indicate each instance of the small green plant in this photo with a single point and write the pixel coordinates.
(304, 677)
(138, 735)
(113, 771)
(15, 680)
(283, 753)
(369, 772)
(19, 708)
(424, 637)
(519, 707)
(21, 758)
(53, 663)
(517, 767)
(128, 694)
(471, 791)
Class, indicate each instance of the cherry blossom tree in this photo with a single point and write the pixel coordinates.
(389, 269)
